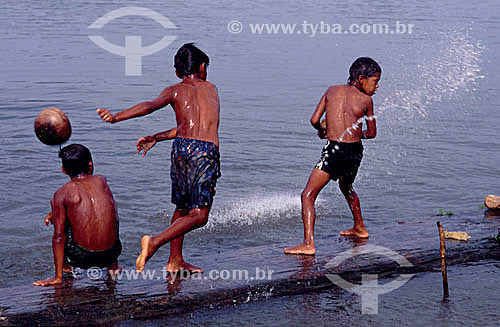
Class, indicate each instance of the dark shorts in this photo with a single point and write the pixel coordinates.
(340, 159)
(194, 172)
(78, 256)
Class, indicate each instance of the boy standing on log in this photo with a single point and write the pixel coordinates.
(195, 165)
(345, 106)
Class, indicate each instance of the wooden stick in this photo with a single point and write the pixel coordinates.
(442, 252)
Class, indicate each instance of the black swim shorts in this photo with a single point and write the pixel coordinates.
(194, 171)
(340, 159)
(78, 256)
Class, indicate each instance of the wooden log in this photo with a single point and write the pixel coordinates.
(80, 302)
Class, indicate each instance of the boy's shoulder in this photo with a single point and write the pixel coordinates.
(349, 91)
(64, 191)
(102, 178)
(71, 187)
(183, 86)
(335, 89)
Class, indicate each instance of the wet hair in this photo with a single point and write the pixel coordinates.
(363, 66)
(188, 59)
(75, 159)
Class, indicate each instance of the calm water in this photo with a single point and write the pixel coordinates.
(437, 110)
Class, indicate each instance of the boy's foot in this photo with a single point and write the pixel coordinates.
(48, 281)
(183, 266)
(66, 267)
(355, 233)
(303, 249)
(147, 252)
(492, 202)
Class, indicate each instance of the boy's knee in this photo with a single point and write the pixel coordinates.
(202, 220)
(347, 190)
(344, 188)
(200, 215)
(307, 195)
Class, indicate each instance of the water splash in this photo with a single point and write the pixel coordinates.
(451, 65)
(432, 81)
(256, 209)
(355, 126)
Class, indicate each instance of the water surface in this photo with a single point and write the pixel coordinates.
(436, 107)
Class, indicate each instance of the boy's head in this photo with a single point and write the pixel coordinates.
(76, 160)
(363, 66)
(190, 60)
(364, 74)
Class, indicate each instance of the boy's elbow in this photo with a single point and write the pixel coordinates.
(314, 122)
(148, 107)
(369, 134)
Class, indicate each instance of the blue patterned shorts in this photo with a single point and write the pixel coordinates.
(194, 172)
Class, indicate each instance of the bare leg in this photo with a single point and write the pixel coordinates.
(317, 180)
(359, 229)
(176, 261)
(196, 218)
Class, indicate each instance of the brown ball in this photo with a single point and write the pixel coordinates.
(52, 126)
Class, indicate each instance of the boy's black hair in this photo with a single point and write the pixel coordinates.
(75, 159)
(363, 66)
(188, 59)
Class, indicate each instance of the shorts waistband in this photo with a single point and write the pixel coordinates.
(185, 139)
(346, 144)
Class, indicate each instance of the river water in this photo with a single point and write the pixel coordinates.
(436, 112)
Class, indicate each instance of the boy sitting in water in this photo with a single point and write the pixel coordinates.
(84, 216)
(345, 107)
(195, 165)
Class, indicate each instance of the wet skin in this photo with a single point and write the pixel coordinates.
(196, 105)
(88, 205)
(195, 102)
(344, 105)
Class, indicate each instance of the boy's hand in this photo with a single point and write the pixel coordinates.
(322, 134)
(48, 219)
(106, 115)
(48, 281)
(145, 144)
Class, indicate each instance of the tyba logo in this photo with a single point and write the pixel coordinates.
(133, 51)
(369, 288)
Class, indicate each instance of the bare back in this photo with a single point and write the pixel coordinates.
(345, 105)
(197, 108)
(91, 211)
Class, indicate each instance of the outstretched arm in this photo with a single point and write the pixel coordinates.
(371, 123)
(316, 117)
(58, 239)
(147, 142)
(141, 109)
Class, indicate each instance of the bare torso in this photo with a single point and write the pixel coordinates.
(196, 106)
(91, 211)
(345, 105)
